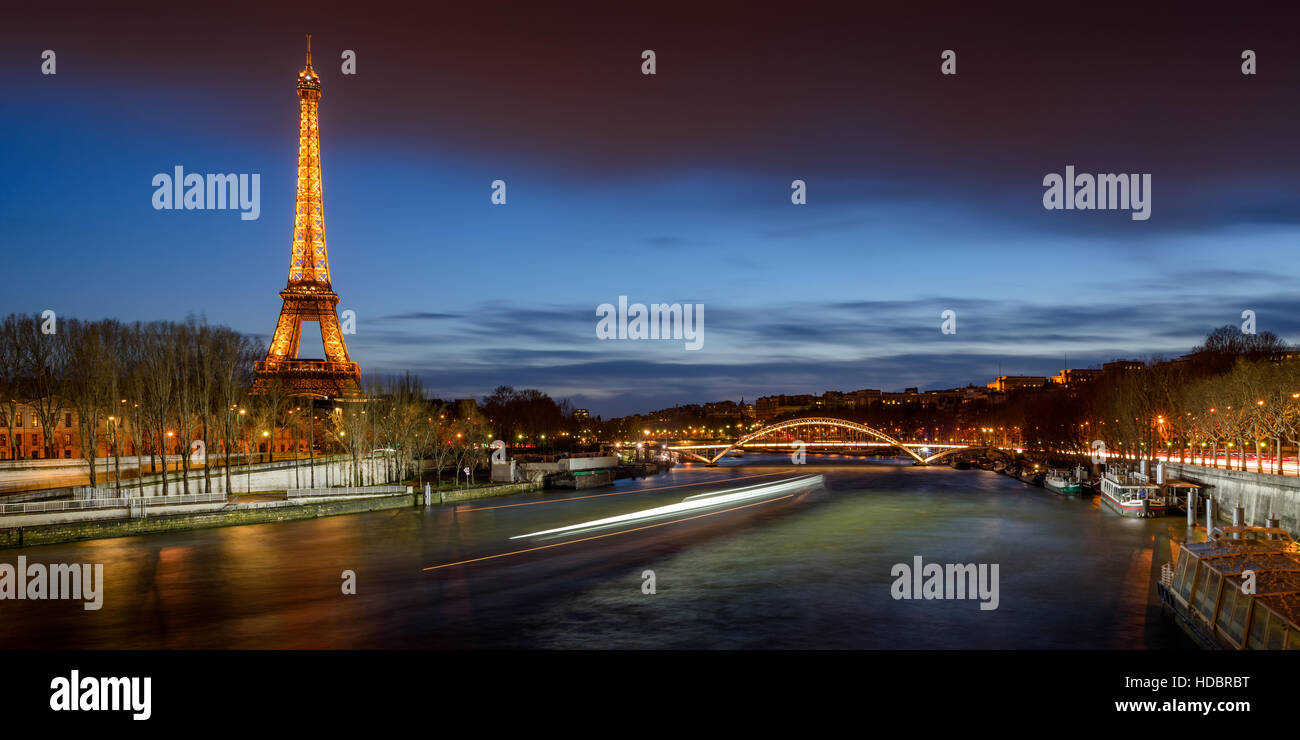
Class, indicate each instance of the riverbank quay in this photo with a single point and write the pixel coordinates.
(137, 517)
(53, 522)
(456, 495)
(36, 480)
(1258, 494)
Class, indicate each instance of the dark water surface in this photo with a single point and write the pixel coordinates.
(812, 571)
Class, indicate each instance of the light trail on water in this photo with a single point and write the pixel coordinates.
(770, 492)
(616, 493)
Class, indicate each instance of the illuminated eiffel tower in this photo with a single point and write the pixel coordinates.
(308, 295)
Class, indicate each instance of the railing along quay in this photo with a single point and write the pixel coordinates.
(38, 507)
(344, 491)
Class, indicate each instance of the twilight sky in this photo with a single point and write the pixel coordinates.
(924, 191)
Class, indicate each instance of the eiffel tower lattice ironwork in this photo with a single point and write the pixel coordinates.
(309, 295)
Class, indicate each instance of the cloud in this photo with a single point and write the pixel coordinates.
(805, 347)
(419, 316)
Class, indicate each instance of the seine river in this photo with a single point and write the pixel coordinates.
(812, 571)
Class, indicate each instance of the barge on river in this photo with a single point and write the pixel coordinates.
(1064, 482)
(1132, 494)
(1204, 590)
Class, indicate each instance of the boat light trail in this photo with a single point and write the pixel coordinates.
(617, 493)
(690, 503)
(607, 534)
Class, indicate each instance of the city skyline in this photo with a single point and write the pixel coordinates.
(916, 332)
(924, 192)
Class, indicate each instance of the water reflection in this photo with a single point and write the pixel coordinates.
(810, 571)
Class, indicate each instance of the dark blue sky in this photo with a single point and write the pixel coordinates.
(924, 192)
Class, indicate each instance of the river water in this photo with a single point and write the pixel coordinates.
(812, 571)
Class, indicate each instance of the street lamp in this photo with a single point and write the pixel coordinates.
(112, 437)
(248, 475)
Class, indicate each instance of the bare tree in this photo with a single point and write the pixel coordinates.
(473, 434)
(185, 337)
(205, 387)
(115, 337)
(160, 363)
(12, 374)
(46, 357)
(268, 410)
(90, 383)
(349, 426)
(443, 435)
(232, 357)
(133, 383)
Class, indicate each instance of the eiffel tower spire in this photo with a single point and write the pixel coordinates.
(308, 295)
(308, 261)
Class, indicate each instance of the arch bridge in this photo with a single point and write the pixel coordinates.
(700, 452)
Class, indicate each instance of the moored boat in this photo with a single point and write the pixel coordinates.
(1236, 590)
(1030, 474)
(1063, 482)
(1132, 494)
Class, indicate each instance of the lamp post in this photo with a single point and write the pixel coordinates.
(1259, 455)
(293, 443)
(109, 445)
(311, 441)
(1159, 429)
(166, 451)
(240, 433)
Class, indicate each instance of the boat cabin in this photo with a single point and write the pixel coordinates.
(1132, 494)
(1205, 589)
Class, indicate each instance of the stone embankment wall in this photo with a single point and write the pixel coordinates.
(1259, 494)
(154, 523)
(470, 494)
(277, 476)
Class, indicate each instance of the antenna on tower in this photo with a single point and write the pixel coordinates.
(309, 51)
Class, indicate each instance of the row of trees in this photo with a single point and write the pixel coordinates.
(149, 389)
(153, 386)
(1232, 395)
(1253, 406)
(400, 426)
(528, 415)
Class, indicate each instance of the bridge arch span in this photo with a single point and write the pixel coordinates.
(956, 450)
(814, 421)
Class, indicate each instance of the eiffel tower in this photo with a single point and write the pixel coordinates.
(308, 295)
